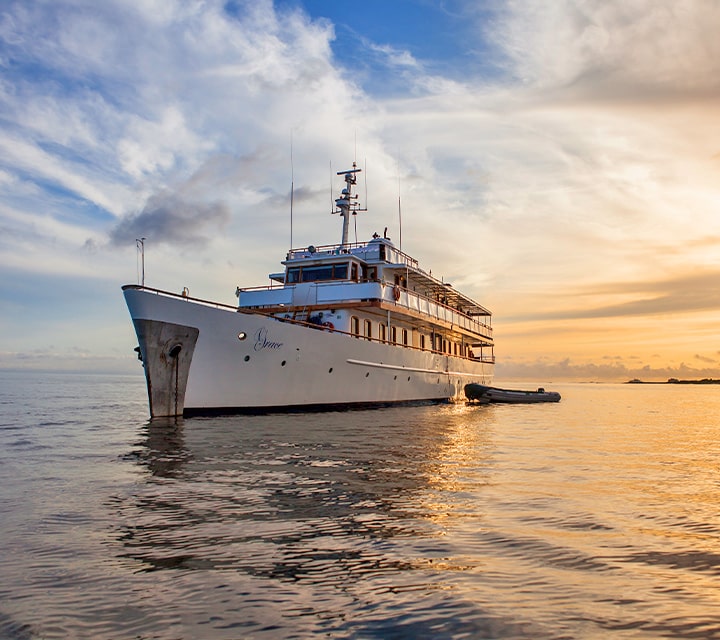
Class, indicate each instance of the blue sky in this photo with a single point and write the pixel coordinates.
(557, 161)
(440, 37)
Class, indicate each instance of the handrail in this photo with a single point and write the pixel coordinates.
(482, 358)
(182, 296)
(439, 304)
(419, 296)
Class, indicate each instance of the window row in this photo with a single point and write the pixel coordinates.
(322, 272)
(401, 335)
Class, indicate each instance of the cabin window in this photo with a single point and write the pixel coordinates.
(317, 273)
(422, 341)
(353, 271)
(405, 336)
(355, 325)
(383, 332)
(393, 335)
(313, 274)
(368, 329)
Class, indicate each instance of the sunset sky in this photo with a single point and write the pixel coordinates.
(557, 160)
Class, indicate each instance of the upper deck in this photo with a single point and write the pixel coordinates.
(374, 274)
(382, 262)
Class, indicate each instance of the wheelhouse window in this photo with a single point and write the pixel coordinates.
(313, 274)
(317, 273)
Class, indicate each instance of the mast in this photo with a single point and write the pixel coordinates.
(347, 203)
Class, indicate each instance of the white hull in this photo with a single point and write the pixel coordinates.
(279, 364)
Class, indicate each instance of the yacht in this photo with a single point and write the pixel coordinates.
(344, 325)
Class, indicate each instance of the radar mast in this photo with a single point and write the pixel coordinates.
(347, 204)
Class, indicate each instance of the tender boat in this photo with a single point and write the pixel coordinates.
(482, 394)
(348, 324)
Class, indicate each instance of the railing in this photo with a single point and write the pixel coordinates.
(219, 305)
(482, 358)
(435, 309)
(336, 292)
(360, 249)
(265, 296)
(182, 296)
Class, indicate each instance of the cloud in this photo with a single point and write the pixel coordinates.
(651, 48)
(169, 219)
(394, 57)
(566, 369)
(684, 294)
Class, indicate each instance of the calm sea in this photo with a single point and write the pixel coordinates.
(595, 517)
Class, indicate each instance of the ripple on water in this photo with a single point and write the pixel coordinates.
(445, 522)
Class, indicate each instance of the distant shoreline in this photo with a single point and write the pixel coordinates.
(676, 381)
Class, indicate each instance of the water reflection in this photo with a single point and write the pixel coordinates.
(162, 449)
(542, 521)
(349, 510)
(306, 497)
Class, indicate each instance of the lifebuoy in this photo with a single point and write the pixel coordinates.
(396, 293)
(329, 325)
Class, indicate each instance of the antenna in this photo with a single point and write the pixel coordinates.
(399, 206)
(366, 192)
(292, 188)
(140, 245)
(400, 218)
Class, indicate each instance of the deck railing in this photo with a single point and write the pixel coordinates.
(336, 292)
(484, 358)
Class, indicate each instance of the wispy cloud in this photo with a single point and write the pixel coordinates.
(544, 371)
(685, 294)
(625, 50)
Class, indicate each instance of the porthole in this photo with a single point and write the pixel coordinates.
(247, 358)
(242, 335)
(367, 374)
(395, 378)
(408, 378)
(330, 370)
(283, 363)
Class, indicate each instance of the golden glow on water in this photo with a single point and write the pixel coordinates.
(590, 518)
